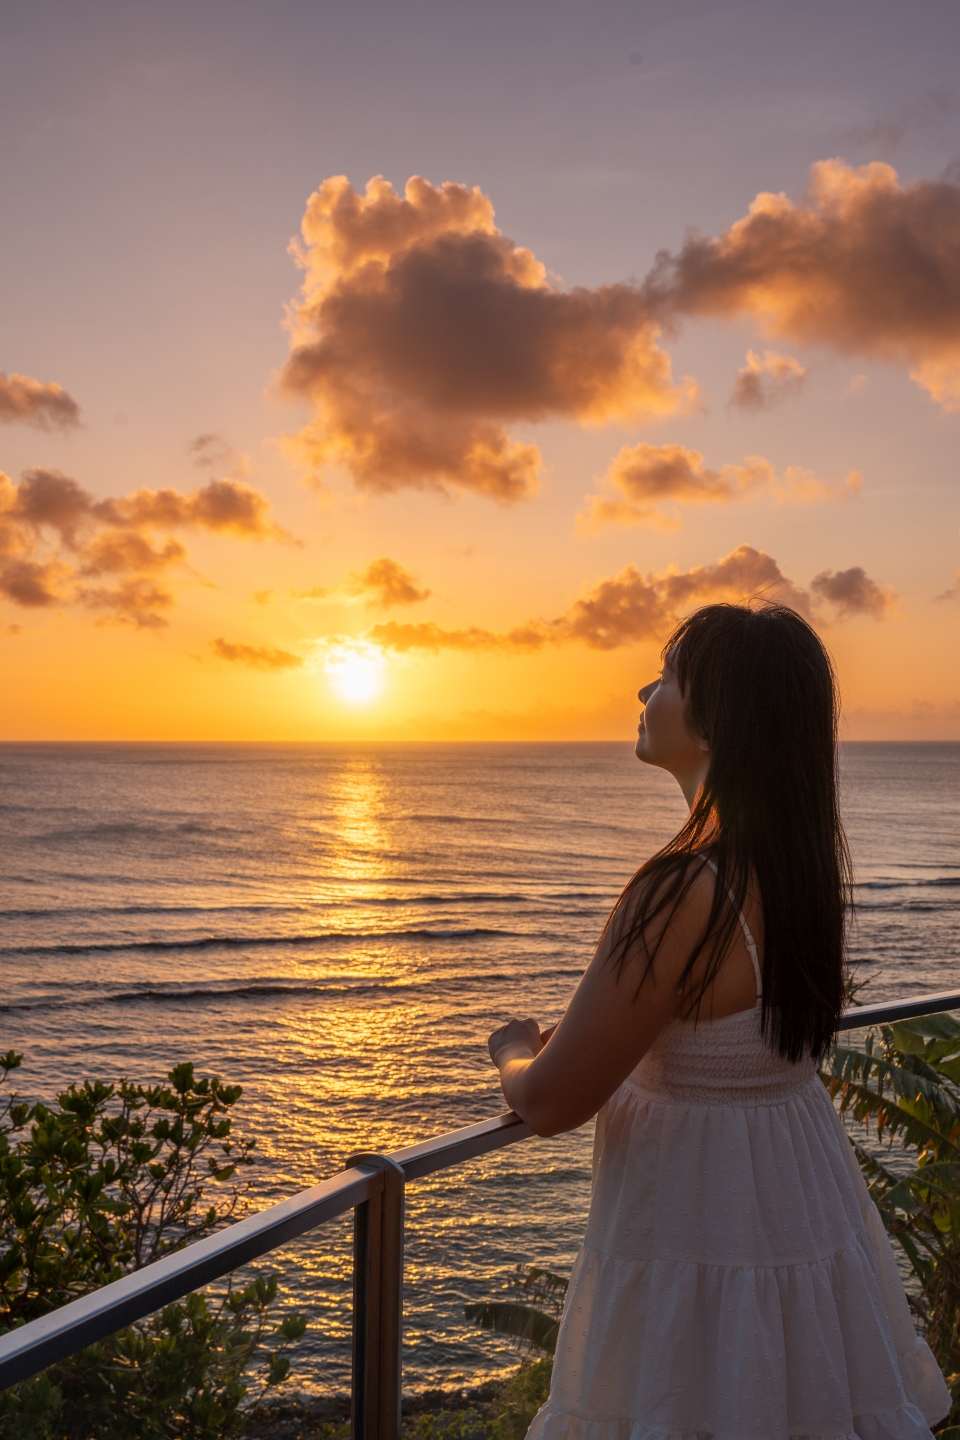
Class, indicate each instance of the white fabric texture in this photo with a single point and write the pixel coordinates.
(736, 1281)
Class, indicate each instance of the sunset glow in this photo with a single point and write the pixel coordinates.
(356, 673)
(333, 387)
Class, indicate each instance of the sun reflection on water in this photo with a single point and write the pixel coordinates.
(358, 804)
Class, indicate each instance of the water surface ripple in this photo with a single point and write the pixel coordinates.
(337, 927)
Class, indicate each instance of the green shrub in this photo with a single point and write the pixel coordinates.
(522, 1397)
(108, 1180)
(457, 1425)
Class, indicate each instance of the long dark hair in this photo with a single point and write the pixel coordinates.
(759, 688)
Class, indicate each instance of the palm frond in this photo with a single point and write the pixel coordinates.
(938, 1179)
(545, 1288)
(898, 1118)
(910, 1078)
(903, 1083)
(523, 1322)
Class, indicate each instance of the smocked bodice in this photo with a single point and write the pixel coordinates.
(719, 1062)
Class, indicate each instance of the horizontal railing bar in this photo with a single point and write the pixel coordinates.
(61, 1333)
(889, 1010)
(53, 1337)
(444, 1150)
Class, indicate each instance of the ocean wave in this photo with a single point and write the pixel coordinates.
(100, 912)
(933, 881)
(266, 989)
(259, 942)
(347, 902)
(127, 829)
(907, 907)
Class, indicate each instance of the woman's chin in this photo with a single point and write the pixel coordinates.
(644, 751)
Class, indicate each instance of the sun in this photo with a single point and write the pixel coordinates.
(356, 672)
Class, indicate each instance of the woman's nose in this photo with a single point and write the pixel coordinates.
(643, 695)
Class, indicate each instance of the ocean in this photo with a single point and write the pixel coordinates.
(338, 927)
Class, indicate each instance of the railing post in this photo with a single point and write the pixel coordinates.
(378, 1304)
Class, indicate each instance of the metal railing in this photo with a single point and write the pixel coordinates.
(373, 1186)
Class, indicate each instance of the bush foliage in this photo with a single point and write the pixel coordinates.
(902, 1084)
(109, 1179)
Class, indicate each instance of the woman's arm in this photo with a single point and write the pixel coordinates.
(608, 1027)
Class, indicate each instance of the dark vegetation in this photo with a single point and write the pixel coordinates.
(107, 1180)
(901, 1085)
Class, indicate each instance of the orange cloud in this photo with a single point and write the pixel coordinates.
(135, 601)
(230, 507)
(258, 657)
(422, 333)
(35, 402)
(384, 583)
(763, 383)
(403, 637)
(865, 267)
(642, 477)
(852, 592)
(631, 606)
(60, 545)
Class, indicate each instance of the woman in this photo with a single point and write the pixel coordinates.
(735, 1280)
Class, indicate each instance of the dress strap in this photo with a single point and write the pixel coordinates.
(749, 941)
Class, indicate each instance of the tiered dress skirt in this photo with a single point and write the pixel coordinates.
(736, 1281)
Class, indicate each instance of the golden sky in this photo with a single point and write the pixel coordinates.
(371, 379)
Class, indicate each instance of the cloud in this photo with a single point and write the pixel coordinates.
(865, 267)
(422, 333)
(258, 657)
(35, 402)
(383, 583)
(642, 477)
(633, 606)
(404, 637)
(135, 600)
(211, 451)
(60, 545)
(630, 607)
(229, 507)
(761, 384)
(30, 583)
(852, 592)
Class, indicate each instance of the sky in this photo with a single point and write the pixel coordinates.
(406, 371)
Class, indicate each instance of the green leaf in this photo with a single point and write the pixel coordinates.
(925, 1027)
(279, 1369)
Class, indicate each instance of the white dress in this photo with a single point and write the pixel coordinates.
(735, 1281)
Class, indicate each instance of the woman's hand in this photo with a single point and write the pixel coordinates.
(521, 1037)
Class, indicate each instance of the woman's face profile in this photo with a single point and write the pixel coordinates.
(663, 738)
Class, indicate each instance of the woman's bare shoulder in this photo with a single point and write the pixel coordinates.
(666, 908)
